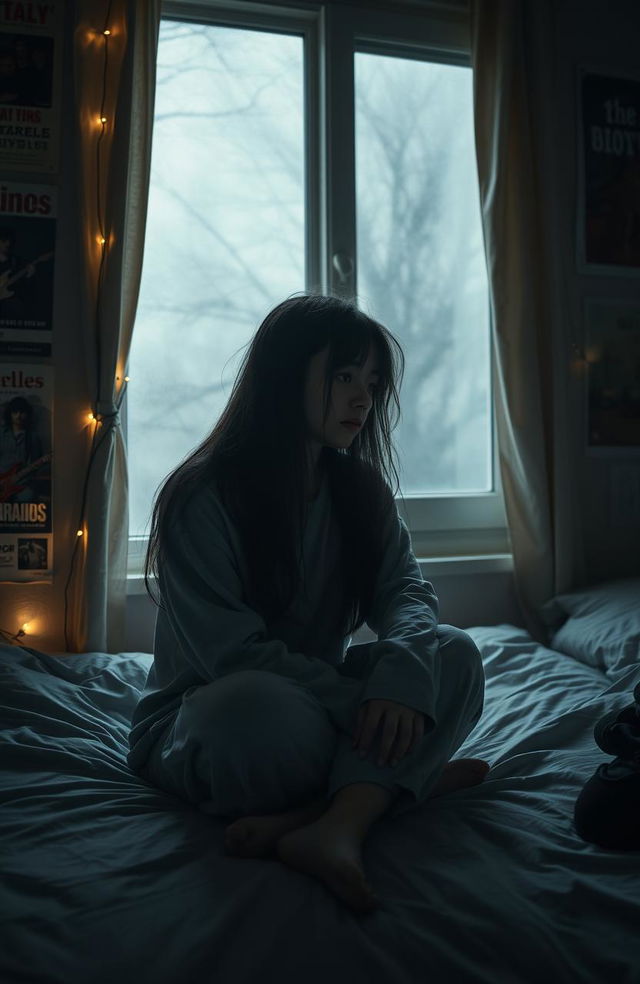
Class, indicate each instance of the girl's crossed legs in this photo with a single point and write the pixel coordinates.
(258, 749)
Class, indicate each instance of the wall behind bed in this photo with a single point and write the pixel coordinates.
(597, 34)
(602, 39)
(41, 605)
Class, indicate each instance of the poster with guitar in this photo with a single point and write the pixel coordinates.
(27, 254)
(26, 428)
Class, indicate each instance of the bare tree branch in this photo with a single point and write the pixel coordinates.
(229, 246)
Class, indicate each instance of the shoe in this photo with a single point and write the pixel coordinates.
(618, 732)
(607, 810)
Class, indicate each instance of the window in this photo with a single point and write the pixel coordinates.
(295, 148)
(225, 232)
(420, 261)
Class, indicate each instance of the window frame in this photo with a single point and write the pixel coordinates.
(459, 525)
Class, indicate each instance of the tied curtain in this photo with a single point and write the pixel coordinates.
(112, 196)
(528, 251)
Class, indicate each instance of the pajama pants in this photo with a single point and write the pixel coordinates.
(254, 742)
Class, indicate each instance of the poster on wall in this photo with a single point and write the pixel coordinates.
(27, 247)
(612, 353)
(30, 85)
(609, 174)
(26, 418)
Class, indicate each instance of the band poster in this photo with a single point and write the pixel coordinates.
(31, 42)
(26, 427)
(609, 174)
(27, 246)
(612, 350)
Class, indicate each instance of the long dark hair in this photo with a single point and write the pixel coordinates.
(256, 456)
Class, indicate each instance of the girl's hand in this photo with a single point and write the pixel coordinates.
(401, 724)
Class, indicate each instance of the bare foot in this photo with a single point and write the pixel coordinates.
(257, 836)
(332, 855)
(459, 773)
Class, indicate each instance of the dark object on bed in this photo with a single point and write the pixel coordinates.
(607, 811)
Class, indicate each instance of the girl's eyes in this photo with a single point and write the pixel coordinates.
(372, 385)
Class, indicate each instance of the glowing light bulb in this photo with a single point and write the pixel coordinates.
(126, 379)
(80, 533)
(106, 32)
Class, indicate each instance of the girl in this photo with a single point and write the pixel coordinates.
(274, 541)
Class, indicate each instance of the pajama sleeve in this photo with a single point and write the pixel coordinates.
(201, 583)
(404, 615)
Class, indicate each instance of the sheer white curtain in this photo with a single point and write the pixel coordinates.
(512, 58)
(112, 195)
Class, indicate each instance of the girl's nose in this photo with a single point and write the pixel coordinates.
(364, 399)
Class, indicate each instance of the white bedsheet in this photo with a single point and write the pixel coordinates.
(106, 879)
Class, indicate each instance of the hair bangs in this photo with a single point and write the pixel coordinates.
(349, 345)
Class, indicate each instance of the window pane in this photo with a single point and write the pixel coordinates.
(225, 233)
(421, 267)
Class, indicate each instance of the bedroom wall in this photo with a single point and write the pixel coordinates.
(603, 37)
(42, 605)
(602, 34)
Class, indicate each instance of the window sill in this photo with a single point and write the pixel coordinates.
(429, 566)
(480, 564)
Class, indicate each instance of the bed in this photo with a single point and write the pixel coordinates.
(107, 879)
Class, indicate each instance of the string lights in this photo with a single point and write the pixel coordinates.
(14, 638)
(582, 357)
(101, 419)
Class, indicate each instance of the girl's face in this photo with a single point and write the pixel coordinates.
(352, 390)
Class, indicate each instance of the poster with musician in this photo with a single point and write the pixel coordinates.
(30, 85)
(26, 428)
(612, 355)
(608, 210)
(27, 247)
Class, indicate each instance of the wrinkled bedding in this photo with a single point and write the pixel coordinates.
(107, 879)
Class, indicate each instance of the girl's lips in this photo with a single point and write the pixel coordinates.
(350, 425)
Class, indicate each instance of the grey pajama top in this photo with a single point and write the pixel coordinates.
(208, 631)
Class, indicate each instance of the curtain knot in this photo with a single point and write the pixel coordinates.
(108, 411)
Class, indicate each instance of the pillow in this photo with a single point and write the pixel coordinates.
(598, 625)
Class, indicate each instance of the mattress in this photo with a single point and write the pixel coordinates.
(105, 878)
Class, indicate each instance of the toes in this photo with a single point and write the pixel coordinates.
(481, 767)
(476, 766)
